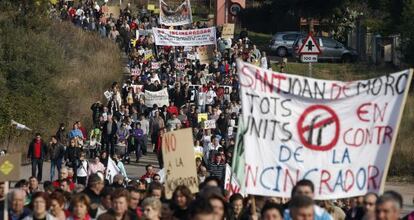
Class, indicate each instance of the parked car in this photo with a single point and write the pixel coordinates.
(331, 50)
(282, 42)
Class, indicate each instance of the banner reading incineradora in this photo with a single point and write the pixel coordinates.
(172, 15)
(160, 98)
(339, 135)
(194, 37)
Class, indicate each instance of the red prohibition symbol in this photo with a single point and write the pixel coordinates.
(317, 126)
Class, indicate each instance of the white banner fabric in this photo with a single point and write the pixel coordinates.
(160, 98)
(339, 135)
(193, 37)
(231, 184)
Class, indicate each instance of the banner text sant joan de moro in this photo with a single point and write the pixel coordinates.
(336, 134)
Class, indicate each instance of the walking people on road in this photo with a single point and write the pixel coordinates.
(109, 135)
(37, 153)
(133, 116)
(137, 140)
(57, 154)
(145, 126)
(83, 170)
(73, 153)
(76, 133)
(61, 134)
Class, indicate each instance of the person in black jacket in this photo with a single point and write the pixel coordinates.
(36, 153)
(72, 156)
(56, 153)
(109, 135)
(97, 109)
(61, 134)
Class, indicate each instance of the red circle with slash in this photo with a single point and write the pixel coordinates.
(332, 119)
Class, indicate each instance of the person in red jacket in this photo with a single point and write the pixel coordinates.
(83, 129)
(36, 153)
(149, 174)
(172, 109)
(64, 173)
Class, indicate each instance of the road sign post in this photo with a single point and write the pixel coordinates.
(309, 52)
(9, 170)
(310, 69)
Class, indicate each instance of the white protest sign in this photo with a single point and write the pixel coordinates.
(108, 94)
(231, 184)
(193, 37)
(191, 56)
(155, 65)
(180, 66)
(209, 124)
(339, 135)
(228, 31)
(137, 88)
(135, 72)
(178, 155)
(160, 98)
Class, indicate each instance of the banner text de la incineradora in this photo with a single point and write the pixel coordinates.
(339, 135)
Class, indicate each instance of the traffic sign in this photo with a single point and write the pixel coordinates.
(10, 167)
(310, 46)
(309, 58)
(235, 8)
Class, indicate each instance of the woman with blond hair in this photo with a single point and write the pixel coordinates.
(152, 208)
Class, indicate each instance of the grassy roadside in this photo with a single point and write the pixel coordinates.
(52, 75)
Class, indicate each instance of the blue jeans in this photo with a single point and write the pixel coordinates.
(53, 164)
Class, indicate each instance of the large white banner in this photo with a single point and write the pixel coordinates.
(339, 135)
(160, 98)
(175, 15)
(193, 37)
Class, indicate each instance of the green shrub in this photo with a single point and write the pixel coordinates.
(50, 72)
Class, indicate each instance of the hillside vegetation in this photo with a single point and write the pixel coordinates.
(50, 72)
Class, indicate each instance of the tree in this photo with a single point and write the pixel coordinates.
(309, 9)
(406, 28)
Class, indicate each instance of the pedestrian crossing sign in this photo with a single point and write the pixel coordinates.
(310, 46)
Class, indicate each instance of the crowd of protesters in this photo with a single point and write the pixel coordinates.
(124, 127)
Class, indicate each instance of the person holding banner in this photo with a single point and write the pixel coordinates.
(305, 188)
